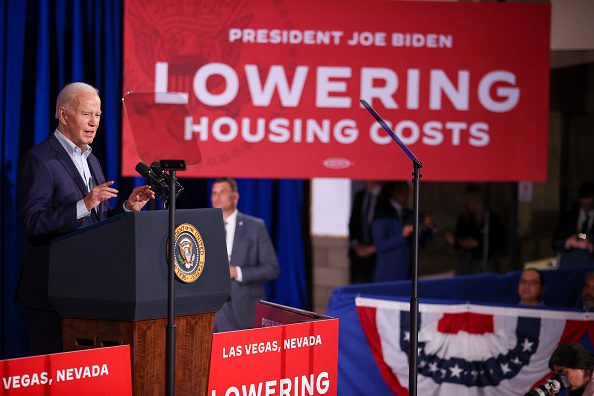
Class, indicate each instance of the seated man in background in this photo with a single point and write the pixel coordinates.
(588, 292)
(531, 287)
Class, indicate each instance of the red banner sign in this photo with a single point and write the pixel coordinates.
(102, 371)
(298, 359)
(273, 86)
(272, 314)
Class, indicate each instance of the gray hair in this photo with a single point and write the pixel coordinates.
(69, 92)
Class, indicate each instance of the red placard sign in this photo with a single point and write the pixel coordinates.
(273, 86)
(272, 314)
(93, 372)
(296, 359)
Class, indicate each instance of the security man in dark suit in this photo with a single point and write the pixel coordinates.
(252, 259)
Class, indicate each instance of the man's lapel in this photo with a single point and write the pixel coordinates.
(95, 169)
(66, 161)
(239, 230)
(98, 179)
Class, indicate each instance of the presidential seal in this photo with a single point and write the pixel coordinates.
(189, 253)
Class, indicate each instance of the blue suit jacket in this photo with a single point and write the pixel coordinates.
(392, 249)
(254, 253)
(49, 187)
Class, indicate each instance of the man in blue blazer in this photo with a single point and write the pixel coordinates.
(252, 259)
(392, 233)
(61, 188)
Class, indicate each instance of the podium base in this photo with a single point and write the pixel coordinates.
(147, 347)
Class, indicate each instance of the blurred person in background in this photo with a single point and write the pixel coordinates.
(574, 235)
(531, 287)
(469, 237)
(392, 233)
(361, 248)
(252, 258)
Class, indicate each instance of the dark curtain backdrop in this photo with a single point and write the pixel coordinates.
(46, 44)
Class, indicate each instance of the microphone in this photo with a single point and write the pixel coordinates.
(155, 180)
(160, 172)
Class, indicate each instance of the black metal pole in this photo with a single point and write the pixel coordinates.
(487, 229)
(170, 344)
(486, 239)
(414, 299)
(513, 245)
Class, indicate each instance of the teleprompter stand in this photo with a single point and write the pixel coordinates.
(172, 166)
(158, 121)
(414, 299)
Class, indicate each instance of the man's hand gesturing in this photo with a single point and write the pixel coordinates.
(99, 194)
(139, 197)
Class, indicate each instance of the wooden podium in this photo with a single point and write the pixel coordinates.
(118, 295)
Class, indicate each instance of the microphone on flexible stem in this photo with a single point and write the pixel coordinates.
(161, 173)
(155, 180)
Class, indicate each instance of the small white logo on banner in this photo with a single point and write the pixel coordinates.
(337, 163)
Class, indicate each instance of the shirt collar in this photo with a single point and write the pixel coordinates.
(232, 219)
(396, 205)
(376, 190)
(69, 145)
